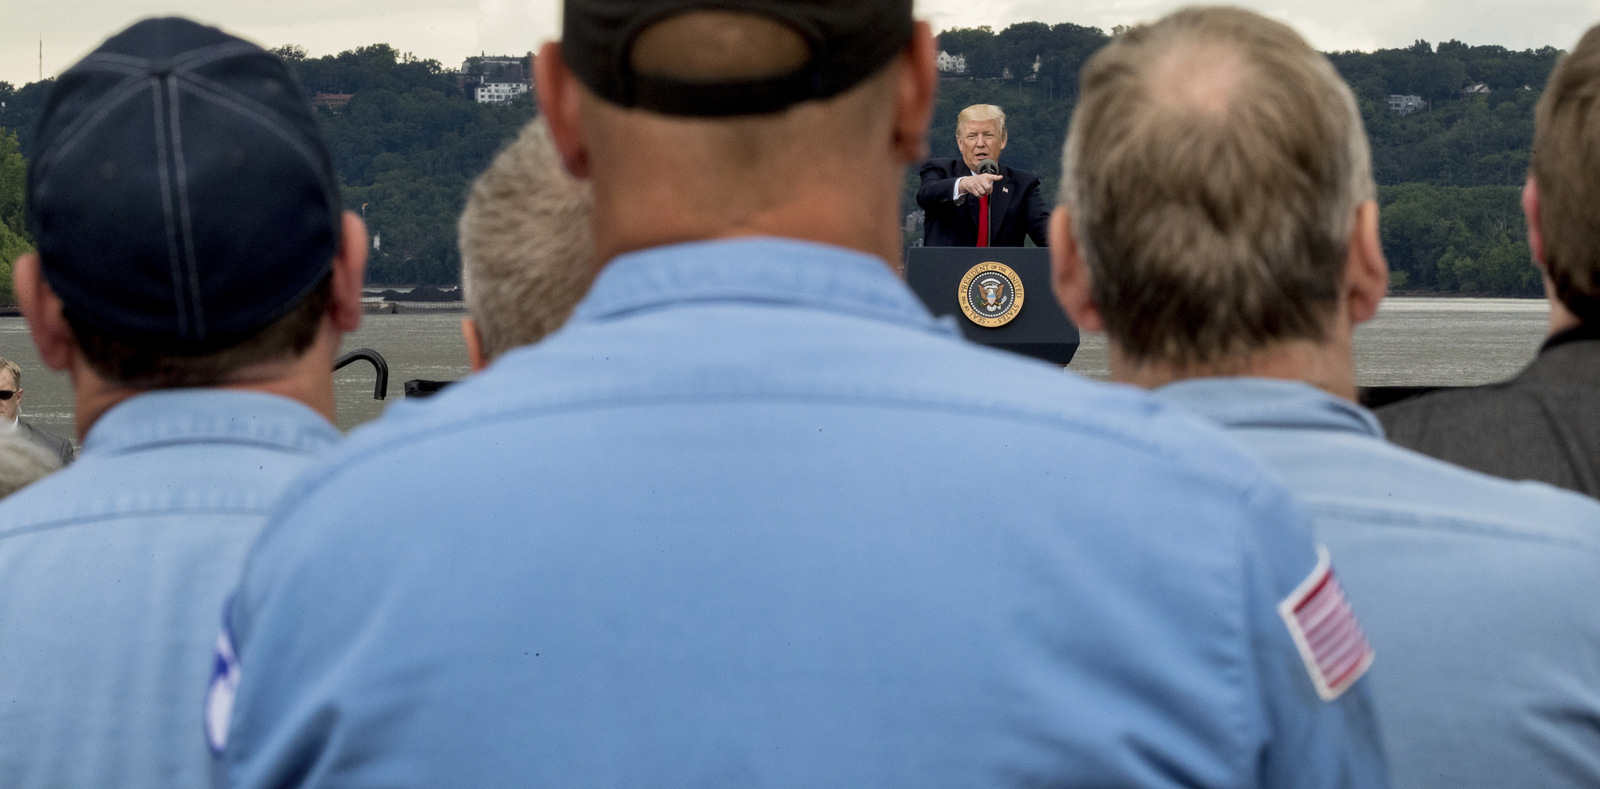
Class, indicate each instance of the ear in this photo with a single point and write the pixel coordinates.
(559, 92)
(1531, 210)
(349, 272)
(52, 335)
(1070, 275)
(475, 356)
(918, 81)
(1366, 269)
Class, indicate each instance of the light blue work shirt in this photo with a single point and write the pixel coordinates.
(112, 572)
(1481, 597)
(754, 518)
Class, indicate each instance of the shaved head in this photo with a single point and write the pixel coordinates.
(718, 46)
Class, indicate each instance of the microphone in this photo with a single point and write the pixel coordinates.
(988, 167)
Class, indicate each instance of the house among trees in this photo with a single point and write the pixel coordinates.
(952, 64)
(1477, 89)
(496, 79)
(1405, 105)
(499, 92)
(333, 101)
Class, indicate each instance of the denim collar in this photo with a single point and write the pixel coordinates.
(766, 270)
(1269, 403)
(209, 416)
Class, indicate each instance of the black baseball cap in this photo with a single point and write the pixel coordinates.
(849, 41)
(179, 191)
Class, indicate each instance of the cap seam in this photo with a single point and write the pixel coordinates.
(182, 173)
(129, 64)
(210, 54)
(252, 109)
(162, 165)
(74, 133)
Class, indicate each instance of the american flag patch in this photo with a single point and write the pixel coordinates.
(1325, 630)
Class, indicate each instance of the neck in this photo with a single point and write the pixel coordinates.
(644, 215)
(1327, 365)
(1561, 318)
(308, 379)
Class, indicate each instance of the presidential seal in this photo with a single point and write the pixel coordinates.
(991, 295)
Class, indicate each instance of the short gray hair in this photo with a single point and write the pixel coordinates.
(1214, 222)
(22, 463)
(527, 248)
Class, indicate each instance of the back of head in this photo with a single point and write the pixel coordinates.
(1213, 169)
(184, 205)
(727, 110)
(1566, 167)
(527, 247)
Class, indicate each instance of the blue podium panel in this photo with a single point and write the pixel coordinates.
(1028, 321)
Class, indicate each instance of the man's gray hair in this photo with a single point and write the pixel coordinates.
(22, 463)
(1213, 169)
(527, 248)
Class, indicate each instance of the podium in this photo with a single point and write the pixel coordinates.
(999, 296)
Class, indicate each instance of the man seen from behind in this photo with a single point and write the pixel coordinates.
(754, 517)
(1219, 224)
(527, 248)
(1544, 424)
(194, 275)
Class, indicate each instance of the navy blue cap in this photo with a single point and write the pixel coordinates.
(179, 191)
(849, 40)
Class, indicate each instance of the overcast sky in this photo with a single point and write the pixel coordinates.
(449, 30)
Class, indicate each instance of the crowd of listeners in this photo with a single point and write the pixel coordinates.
(722, 503)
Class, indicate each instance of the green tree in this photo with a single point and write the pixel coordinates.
(13, 232)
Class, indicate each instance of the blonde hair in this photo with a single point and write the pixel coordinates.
(22, 463)
(16, 372)
(527, 249)
(978, 113)
(1213, 169)
(1566, 158)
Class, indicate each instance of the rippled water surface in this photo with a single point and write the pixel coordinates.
(1421, 342)
(1412, 341)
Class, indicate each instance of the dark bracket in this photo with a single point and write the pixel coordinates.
(380, 389)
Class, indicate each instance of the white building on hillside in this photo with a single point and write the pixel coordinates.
(1405, 105)
(499, 92)
(952, 64)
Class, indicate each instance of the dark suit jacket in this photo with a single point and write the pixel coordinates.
(1543, 424)
(57, 446)
(1015, 208)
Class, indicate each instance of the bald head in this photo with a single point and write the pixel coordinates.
(1197, 78)
(1213, 172)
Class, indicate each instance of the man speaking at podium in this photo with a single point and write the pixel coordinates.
(975, 201)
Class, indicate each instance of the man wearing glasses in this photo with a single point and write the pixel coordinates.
(11, 421)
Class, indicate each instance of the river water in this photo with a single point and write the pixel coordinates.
(1413, 341)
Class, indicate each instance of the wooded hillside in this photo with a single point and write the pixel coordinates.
(409, 142)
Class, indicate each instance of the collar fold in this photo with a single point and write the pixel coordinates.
(195, 416)
(1269, 403)
(768, 270)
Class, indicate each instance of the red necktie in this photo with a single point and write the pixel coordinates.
(983, 221)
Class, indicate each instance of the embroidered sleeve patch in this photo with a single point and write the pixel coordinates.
(1325, 630)
(224, 686)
